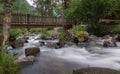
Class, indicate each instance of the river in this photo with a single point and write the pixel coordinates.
(68, 58)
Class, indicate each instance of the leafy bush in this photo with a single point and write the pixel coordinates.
(117, 29)
(36, 30)
(62, 35)
(77, 28)
(14, 33)
(25, 31)
(98, 29)
(7, 65)
(46, 34)
(80, 34)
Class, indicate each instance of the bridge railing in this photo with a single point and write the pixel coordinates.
(27, 19)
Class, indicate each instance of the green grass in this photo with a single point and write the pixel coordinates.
(7, 65)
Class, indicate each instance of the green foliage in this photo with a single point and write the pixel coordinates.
(98, 29)
(117, 29)
(25, 31)
(44, 7)
(77, 28)
(7, 65)
(114, 10)
(88, 11)
(80, 34)
(46, 33)
(62, 35)
(14, 33)
(36, 30)
(18, 7)
(1, 7)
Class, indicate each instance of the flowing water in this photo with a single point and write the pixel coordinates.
(68, 58)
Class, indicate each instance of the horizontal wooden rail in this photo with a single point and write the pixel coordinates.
(27, 20)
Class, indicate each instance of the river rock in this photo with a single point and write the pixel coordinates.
(55, 45)
(95, 70)
(93, 38)
(95, 49)
(25, 38)
(32, 51)
(42, 43)
(17, 43)
(106, 36)
(69, 43)
(84, 36)
(75, 40)
(110, 42)
(117, 37)
(46, 38)
(25, 61)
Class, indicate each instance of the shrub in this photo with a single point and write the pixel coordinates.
(25, 31)
(62, 35)
(14, 33)
(77, 28)
(80, 34)
(36, 30)
(117, 29)
(98, 29)
(46, 34)
(7, 65)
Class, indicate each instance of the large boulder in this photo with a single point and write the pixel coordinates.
(17, 43)
(32, 51)
(25, 61)
(117, 37)
(110, 42)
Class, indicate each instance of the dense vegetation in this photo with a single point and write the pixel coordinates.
(90, 12)
(7, 65)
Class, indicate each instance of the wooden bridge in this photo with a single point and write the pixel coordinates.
(35, 21)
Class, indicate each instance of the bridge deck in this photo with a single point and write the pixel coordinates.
(33, 21)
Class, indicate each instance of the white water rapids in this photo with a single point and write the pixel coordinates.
(102, 57)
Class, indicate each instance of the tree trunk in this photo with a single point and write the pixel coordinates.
(6, 23)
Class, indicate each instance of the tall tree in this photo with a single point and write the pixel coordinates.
(44, 7)
(6, 22)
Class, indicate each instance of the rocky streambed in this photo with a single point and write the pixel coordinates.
(65, 59)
